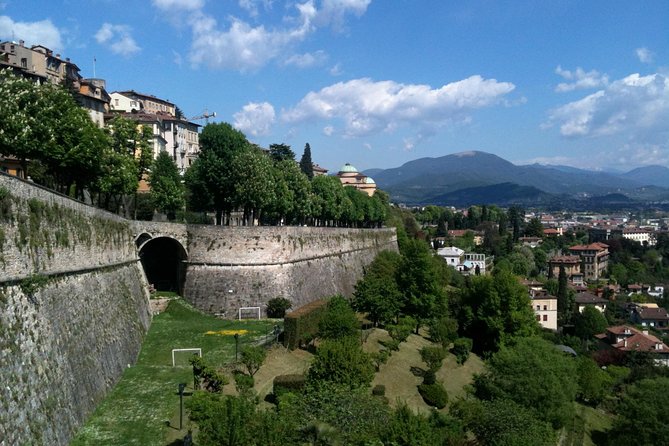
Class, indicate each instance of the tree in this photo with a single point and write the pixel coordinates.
(548, 390)
(306, 165)
(253, 182)
(502, 422)
(589, 322)
(341, 361)
(642, 414)
(328, 199)
(594, 384)
(377, 293)
(433, 357)
(419, 281)
(493, 310)
(281, 152)
(565, 306)
(253, 357)
(534, 228)
(167, 191)
(214, 174)
(339, 320)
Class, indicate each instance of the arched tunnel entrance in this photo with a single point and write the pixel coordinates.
(163, 260)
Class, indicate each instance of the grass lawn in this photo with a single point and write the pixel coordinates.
(587, 427)
(143, 406)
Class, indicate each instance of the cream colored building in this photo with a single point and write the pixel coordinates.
(349, 176)
(545, 309)
(130, 100)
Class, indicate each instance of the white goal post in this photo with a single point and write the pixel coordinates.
(247, 309)
(174, 350)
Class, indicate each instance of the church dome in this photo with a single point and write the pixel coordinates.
(347, 168)
(369, 180)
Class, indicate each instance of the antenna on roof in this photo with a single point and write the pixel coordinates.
(94, 60)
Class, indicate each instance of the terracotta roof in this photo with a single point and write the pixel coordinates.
(653, 313)
(597, 246)
(565, 259)
(551, 231)
(634, 340)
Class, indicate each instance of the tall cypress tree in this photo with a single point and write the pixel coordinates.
(563, 297)
(306, 166)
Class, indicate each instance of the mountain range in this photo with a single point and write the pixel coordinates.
(474, 177)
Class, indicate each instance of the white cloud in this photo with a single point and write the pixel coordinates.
(184, 5)
(368, 107)
(334, 12)
(638, 105)
(118, 39)
(253, 6)
(328, 130)
(242, 46)
(336, 70)
(307, 60)
(42, 32)
(645, 55)
(580, 79)
(255, 118)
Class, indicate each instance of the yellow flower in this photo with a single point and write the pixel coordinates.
(227, 332)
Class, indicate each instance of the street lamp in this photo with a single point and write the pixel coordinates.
(182, 386)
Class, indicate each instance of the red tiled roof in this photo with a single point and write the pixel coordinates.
(597, 246)
(653, 313)
(589, 299)
(636, 340)
(565, 259)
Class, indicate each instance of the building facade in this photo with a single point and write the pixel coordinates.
(594, 259)
(349, 176)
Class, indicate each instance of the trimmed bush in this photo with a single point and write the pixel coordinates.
(288, 383)
(391, 344)
(429, 377)
(461, 349)
(434, 395)
(379, 390)
(277, 307)
(433, 357)
(380, 357)
(302, 323)
(243, 382)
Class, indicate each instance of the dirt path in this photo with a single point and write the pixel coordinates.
(280, 361)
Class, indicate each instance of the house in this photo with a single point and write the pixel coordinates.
(92, 96)
(130, 100)
(349, 176)
(452, 255)
(37, 63)
(626, 339)
(594, 259)
(645, 236)
(532, 242)
(318, 170)
(475, 263)
(584, 299)
(634, 288)
(656, 291)
(545, 309)
(458, 233)
(552, 232)
(572, 268)
(649, 315)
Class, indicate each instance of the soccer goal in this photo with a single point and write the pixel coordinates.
(195, 351)
(249, 313)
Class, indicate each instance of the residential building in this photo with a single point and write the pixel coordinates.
(532, 242)
(604, 233)
(585, 299)
(475, 263)
(38, 63)
(93, 97)
(626, 339)
(349, 176)
(649, 315)
(572, 268)
(181, 141)
(459, 233)
(318, 170)
(645, 236)
(452, 255)
(545, 308)
(131, 100)
(594, 259)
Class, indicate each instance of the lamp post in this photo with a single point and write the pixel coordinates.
(236, 346)
(182, 386)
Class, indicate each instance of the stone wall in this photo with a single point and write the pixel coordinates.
(45, 233)
(235, 267)
(73, 311)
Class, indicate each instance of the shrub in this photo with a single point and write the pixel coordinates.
(429, 377)
(443, 330)
(391, 344)
(461, 349)
(339, 320)
(302, 323)
(434, 395)
(341, 361)
(277, 307)
(400, 332)
(379, 390)
(288, 383)
(433, 357)
(205, 376)
(253, 357)
(243, 382)
(380, 357)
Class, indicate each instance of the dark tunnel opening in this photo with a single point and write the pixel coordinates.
(163, 260)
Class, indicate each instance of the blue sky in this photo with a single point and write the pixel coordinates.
(377, 83)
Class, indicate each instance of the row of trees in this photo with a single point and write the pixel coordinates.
(271, 187)
(43, 124)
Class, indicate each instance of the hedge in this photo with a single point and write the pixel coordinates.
(288, 383)
(302, 324)
(434, 395)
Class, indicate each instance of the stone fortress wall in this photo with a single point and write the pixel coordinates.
(73, 311)
(235, 267)
(74, 297)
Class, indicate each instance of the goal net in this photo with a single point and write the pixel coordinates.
(249, 313)
(182, 355)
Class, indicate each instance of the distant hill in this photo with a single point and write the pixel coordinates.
(476, 177)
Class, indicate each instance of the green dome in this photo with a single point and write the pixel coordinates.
(369, 180)
(348, 168)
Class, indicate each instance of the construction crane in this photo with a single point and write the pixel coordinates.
(206, 115)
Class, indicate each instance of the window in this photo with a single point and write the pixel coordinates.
(538, 318)
(545, 317)
(24, 62)
(545, 307)
(539, 307)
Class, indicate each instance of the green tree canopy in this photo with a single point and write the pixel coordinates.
(341, 361)
(281, 152)
(167, 191)
(306, 165)
(339, 320)
(536, 375)
(377, 293)
(589, 322)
